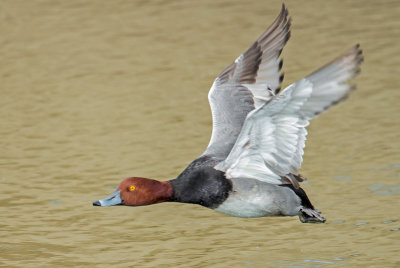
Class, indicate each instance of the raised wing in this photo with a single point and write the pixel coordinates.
(246, 84)
(270, 145)
(330, 82)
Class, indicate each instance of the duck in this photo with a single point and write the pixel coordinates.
(250, 166)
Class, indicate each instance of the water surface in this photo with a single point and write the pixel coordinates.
(96, 91)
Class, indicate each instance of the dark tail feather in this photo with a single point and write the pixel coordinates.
(307, 214)
(302, 194)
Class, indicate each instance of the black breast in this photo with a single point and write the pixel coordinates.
(201, 184)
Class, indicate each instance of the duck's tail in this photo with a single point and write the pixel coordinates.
(309, 215)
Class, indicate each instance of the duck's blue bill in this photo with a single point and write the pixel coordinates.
(113, 200)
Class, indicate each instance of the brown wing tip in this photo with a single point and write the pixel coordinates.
(282, 17)
(355, 52)
(356, 56)
(284, 10)
(350, 60)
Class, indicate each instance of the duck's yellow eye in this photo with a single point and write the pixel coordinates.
(132, 188)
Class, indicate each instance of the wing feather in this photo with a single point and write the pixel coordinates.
(271, 143)
(330, 82)
(253, 78)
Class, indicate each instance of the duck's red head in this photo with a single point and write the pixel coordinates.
(138, 192)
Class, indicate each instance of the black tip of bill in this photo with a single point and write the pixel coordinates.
(113, 200)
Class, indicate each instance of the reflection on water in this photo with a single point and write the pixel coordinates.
(391, 167)
(336, 262)
(360, 223)
(385, 190)
(96, 91)
(342, 178)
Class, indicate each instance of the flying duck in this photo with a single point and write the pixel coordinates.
(250, 167)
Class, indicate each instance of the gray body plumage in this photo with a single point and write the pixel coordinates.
(251, 198)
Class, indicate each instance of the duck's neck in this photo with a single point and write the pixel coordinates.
(163, 191)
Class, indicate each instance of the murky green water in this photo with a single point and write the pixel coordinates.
(96, 91)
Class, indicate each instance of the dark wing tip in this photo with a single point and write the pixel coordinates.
(284, 10)
(281, 77)
(280, 64)
(358, 58)
(356, 52)
(268, 45)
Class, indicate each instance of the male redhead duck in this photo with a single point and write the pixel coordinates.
(249, 168)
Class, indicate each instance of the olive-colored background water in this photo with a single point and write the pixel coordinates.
(96, 91)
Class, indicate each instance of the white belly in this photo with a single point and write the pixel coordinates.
(251, 198)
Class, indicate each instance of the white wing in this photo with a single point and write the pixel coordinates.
(270, 145)
(245, 85)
